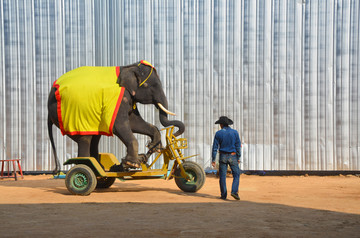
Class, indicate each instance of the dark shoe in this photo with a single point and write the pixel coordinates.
(234, 195)
(223, 198)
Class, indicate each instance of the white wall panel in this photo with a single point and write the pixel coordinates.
(286, 72)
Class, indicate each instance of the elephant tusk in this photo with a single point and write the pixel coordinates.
(165, 110)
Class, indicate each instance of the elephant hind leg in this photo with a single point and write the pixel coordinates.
(88, 146)
(94, 147)
(84, 143)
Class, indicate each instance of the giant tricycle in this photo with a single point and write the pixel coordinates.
(89, 173)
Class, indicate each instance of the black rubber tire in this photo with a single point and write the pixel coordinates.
(196, 173)
(80, 180)
(105, 182)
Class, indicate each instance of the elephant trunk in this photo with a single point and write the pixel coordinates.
(164, 119)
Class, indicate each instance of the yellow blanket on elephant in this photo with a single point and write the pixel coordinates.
(88, 100)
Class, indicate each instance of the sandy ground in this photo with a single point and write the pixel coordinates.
(270, 206)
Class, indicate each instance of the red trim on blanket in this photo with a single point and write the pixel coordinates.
(116, 110)
(88, 133)
(117, 71)
(58, 99)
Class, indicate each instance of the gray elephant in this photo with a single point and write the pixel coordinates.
(88, 102)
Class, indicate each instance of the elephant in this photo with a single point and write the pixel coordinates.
(132, 84)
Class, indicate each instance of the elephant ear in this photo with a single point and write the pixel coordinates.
(129, 80)
(131, 76)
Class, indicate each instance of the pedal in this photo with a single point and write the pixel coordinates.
(143, 158)
(117, 168)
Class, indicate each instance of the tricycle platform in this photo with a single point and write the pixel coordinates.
(89, 173)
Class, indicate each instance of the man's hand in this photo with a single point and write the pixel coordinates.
(213, 164)
(238, 161)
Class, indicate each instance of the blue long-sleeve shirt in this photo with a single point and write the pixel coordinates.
(226, 140)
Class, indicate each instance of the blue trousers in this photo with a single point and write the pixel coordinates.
(232, 161)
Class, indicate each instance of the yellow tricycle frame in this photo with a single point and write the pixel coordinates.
(172, 151)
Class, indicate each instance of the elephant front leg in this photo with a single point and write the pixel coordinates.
(138, 125)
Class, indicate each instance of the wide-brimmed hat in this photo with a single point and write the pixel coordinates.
(224, 120)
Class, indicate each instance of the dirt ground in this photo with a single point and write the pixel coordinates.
(270, 206)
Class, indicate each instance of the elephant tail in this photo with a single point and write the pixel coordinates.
(57, 164)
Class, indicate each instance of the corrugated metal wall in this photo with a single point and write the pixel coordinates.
(286, 72)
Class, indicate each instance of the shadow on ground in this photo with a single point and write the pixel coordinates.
(240, 219)
(58, 186)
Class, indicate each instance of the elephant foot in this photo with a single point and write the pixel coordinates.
(154, 147)
(129, 164)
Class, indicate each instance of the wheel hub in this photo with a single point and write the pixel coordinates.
(80, 180)
(190, 178)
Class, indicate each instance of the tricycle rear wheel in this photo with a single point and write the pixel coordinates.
(196, 175)
(80, 180)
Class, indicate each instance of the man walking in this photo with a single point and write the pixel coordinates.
(227, 141)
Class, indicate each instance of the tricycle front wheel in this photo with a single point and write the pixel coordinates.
(196, 176)
(80, 180)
